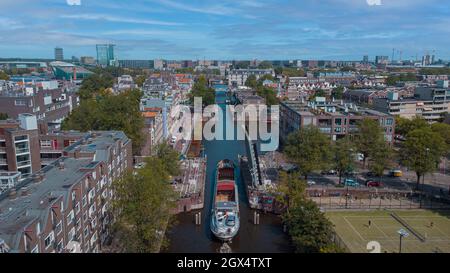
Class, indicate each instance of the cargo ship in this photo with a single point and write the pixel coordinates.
(225, 210)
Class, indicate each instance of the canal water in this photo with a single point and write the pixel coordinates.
(186, 237)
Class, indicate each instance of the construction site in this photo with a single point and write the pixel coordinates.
(190, 185)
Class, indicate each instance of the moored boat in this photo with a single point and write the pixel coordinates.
(225, 211)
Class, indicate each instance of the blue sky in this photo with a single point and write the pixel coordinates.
(226, 29)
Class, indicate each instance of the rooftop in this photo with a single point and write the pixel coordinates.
(330, 108)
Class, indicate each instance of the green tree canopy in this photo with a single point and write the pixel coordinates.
(422, 151)
(265, 65)
(338, 92)
(201, 89)
(110, 112)
(309, 149)
(403, 125)
(251, 81)
(169, 157)
(95, 84)
(3, 116)
(4, 76)
(369, 138)
(343, 156)
(310, 230)
(142, 205)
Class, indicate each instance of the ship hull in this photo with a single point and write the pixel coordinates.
(225, 220)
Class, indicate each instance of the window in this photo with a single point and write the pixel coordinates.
(70, 217)
(94, 175)
(77, 208)
(20, 102)
(84, 201)
(74, 195)
(59, 247)
(85, 216)
(71, 234)
(49, 239)
(35, 250)
(94, 222)
(58, 228)
(46, 143)
(389, 121)
(86, 231)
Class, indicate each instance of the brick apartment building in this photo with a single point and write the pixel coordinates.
(49, 102)
(332, 119)
(19, 145)
(65, 207)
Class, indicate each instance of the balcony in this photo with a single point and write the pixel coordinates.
(22, 150)
(3, 161)
(23, 163)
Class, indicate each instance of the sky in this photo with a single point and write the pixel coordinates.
(226, 29)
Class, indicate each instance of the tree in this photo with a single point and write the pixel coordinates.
(3, 116)
(422, 151)
(310, 230)
(201, 89)
(265, 65)
(369, 138)
(380, 159)
(169, 157)
(344, 156)
(142, 204)
(94, 84)
(290, 190)
(251, 82)
(110, 112)
(309, 149)
(268, 94)
(338, 92)
(4, 76)
(403, 126)
(443, 129)
(140, 80)
(318, 93)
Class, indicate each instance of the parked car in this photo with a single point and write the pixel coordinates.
(329, 172)
(351, 183)
(310, 183)
(370, 174)
(396, 173)
(373, 183)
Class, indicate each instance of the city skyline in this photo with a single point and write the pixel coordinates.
(151, 29)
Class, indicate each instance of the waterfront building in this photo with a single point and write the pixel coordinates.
(334, 119)
(66, 207)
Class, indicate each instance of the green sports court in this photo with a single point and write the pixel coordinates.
(429, 231)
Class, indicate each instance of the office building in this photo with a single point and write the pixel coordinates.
(106, 55)
(59, 55)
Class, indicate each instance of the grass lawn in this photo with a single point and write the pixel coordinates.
(353, 228)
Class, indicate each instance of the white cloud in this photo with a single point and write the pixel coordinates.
(109, 18)
(73, 2)
(374, 2)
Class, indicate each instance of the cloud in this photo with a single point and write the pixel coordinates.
(74, 2)
(117, 19)
(215, 9)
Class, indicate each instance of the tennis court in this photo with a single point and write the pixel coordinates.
(429, 231)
